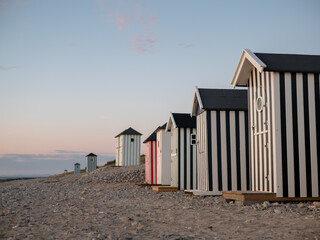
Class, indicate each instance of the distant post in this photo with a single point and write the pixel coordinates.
(77, 168)
(91, 162)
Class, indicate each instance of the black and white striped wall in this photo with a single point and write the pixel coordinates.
(222, 150)
(284, 116)
(187, 159)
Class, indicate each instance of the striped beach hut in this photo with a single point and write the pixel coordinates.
(91, 162)
(183, 150)
(151, 159)
(284, 120)
(163, 156)
(128, 145)
(222, 139)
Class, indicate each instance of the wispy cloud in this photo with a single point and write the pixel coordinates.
(7, 68)
(142, 45)
(131, 17)
(67, 151)
(186, 46)
(7, 5)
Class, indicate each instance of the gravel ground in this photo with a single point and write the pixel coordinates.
(107, 204)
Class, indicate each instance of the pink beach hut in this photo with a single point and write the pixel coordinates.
(151, 159)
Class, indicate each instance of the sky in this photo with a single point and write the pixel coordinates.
(74, 74)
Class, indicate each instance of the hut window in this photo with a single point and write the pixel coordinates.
(260, 104)
(193, 139)
(132, 139)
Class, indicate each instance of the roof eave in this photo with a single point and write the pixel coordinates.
(248, 60)
(196, 101)
(171, 121)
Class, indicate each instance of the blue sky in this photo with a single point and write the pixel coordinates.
(73, 74)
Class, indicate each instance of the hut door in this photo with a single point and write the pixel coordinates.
(260, 128)
(174, 157)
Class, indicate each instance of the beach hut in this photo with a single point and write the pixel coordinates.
(183, 150)
(91, 162)
(77, 168)
(151, 159)
(163, 156)
(128, 145)
(284, 120)
(222, 139)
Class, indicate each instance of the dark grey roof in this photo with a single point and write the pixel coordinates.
(223, 99)
(290, 62)
(162, 127)
(129, 131)
(91, 155)
(152, 137)
(77, 164)
(184, 120)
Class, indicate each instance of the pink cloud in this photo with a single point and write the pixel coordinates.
(186, 45)
(130, 17)
(149, 20)
(123, 21)
(21, 3)
(7, 68)
(142, 45)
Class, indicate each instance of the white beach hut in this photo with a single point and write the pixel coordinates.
(183, 151)
(284, 120)
(128, 145)
(91, 162)
(222, 139)
(77, 168)
(163, 156)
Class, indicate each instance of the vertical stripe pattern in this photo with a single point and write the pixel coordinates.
(222, 151)
(186, 151)
(128, 153)
(150, 161)
(285, 144)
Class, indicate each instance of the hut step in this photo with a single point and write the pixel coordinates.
(164, 188)
(203, 193)
(251, 196)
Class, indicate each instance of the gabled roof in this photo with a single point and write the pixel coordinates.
(163, 127)
(152, 137)
(273, 62)
(129, 131)
(91, 155)
(219, 99)
(77, 164)
(181, 120)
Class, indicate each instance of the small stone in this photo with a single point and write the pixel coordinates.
(277, 211)
(317, 204)
(266, 204)
(312, 207)
(301, 205)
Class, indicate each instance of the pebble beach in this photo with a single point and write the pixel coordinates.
(108, 204)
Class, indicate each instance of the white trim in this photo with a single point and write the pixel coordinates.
(313, 137)
(290, 144)
(170, 122)
(247, 61)
(301, 129)
(276, 122)
(196, 98)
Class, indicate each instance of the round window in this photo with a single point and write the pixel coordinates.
(259, 104)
